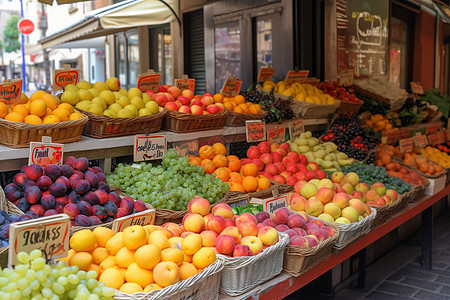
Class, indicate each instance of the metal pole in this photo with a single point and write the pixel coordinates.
(24, 77)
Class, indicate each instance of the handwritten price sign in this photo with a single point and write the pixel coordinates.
(185, 83)
(420, 141)
(45, 153)
(231, 87)
(296, 128)
(50, 234)
(406, 145)
(276, 134)
(10, 91)
(149, 147)
(146, 217)
(299, 77)
(255, 131)
(149, 81)
(346, 77)
(265, 74)
(64, 77)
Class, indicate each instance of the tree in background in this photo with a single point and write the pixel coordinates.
(11, 35)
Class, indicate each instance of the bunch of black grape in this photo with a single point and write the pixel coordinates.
(277, 109)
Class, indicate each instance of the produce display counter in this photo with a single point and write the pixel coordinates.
(283, 285)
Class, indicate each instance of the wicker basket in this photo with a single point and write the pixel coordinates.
(298, 260)
(19, 135)
(238, 120)
(103, 126)
(308, 110)
(201, 286)
(420, 173)
(386, 211)
(182, 122)
(241, 274)
(349, 107)
(370, 94)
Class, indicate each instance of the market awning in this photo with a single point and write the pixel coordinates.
(115, 18)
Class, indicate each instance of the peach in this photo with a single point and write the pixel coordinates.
(222, 209)
(362, 187)
(207, 100)
(281, 151)
(216, 223)
(246, 217)
(199, 205)
(196, 102)
(187, 93)
(174, 228)
(311, 240)
(298, 186)
(308, 190)
(253, 152)
(358, 205)
(258, 163)
(281, 227)
(261, 216)
(234, 232)
(184, 109)
(319, 233)
(332, 209)
(326, 217)
(392, 194)
(312, 166)
(212, 109)
(174, 91)
(298, 241)
(242, 250)
(248, 228)
(207, 218)
(371, 195)
(286, 160)
(291, 233)
(291, 180)
(351, 178)
(255, 244)
(280, 216)
(350, 213)
(348, 187)
(264, 147)
(357, 194)
(225, 244)
(300, 231)
(287, 174)
(385, 197)
(298, 202)
(342, 220)
(313, 207)
(317, 222)
(268, 235)
(277, 157)
(281, 167)
(192, 243)
(266, 158)
(305, 216)
(230, 222)
(380, 201)
(293, 168)
(325, 183)
(196, 110)
(329, 231)
(295, 220)
(186, 233)
(166, 273)
(337, 177)
(204, 257)
(194, 223)
(340, 199)
(367, 208)
(269, 222)
(324, 195)
(379, 188)
(209, 238)
(272, 169)
(280, 179)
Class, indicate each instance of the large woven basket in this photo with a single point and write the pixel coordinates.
(349, 107)
(238, 120)
(104, 126)
(298, 260)
(241, 274)
(308, 110)
(19, 134)
(201, 286)
(182, 122)
(386, 211)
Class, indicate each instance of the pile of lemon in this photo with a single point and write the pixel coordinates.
(300, 91)
(40, 108)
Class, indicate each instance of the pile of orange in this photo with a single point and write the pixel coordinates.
(240, 178)
(40, 108)
(238, 104)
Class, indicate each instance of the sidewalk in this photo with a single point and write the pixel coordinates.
(398, 275)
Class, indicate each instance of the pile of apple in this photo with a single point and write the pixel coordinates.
(172, 98)
(326, 155)
(302, 230)
(73, 188)
(279, 163)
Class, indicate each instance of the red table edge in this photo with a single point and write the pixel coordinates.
(292, 284)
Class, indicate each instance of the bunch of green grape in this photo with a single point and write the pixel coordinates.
(370, 174)
(170, 185)
(34, 279)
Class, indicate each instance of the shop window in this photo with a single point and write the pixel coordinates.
(227, 47)
(161, 52)
(127, 58)
(263, 43)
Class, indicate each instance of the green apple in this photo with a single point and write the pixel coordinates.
(153, 106)
(145, 112)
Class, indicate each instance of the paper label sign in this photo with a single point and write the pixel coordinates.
(346, 77)
(420, 141)
(11, 91)
(312, 80)
(437, 138)
(265, 74)
(64, 77)
(255, 131)
(44, 153)
(276, 134)
(296, 128)
(146, 217)
(417, 88)
(406, 145)
(149, 81)
(231, 86)
(50, 234)
(271, 204)
(299, 77)
(149, 147)
(185, 83)
(186, 148)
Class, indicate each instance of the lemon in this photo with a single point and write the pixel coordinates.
(70, 96)
(109, 97)
(84, 85)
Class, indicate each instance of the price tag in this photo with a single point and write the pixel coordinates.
(346, 77)
(185, 83)
(11, 91)
(149, 147)
(296, 128)
(50, 234)
(186, 148)
(312, 81)
(271, 204)
(437, 138)
(146, 217)
(265, 74)
(299, 77)
(149, 81)
(45, 153)
(276, 134)
(406, 145)
(417, 88)
(231, 86)
(63, 77)
(420, 141)
(255, 131)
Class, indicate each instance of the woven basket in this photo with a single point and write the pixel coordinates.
(103, 126)
(241, 274)
(238, 120)
(182, 122)
(299, 260)
(386, 211)
(370, 94)
(349, 107)
(420, 173)
(19, 135)
(201, 286)
(308, 110)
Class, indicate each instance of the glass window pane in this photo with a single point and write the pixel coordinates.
(122, 68)
(133, 59)
(227, 53)
(168, 59)
(263, 43)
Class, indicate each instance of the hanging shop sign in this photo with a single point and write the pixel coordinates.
(149, 81)
(45, 152)
(296, 76)
(65, 76)
(146, 217)
(185, 83)
(276, 134)
(149, 147)
(265, 74)
(11, 91)
(255, 131)
(231, 86)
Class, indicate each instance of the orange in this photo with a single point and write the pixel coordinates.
(37, 95)
(219, 148)
(206, 151)
(239, 99)
(263, 183)
(220, 160)
(244, 107)
(23, 99)
(227, 99)
(238, 110)
(51, 119)
(67, 107)
(255, 109)
(235, 177)
(232, 157)
(229, 105)
(250, 184)
(62, 114)
(234, 165)
(21, 108)
(208, 166)
(15, 117)
(33, 119)
(223, 174)
(237, 187)
(195, 160)
(218, 98)
(4, 110)
(52, 101)
(249, 169)
(38, 107)
(75, 116)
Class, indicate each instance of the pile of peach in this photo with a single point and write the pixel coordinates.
(241, 178)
